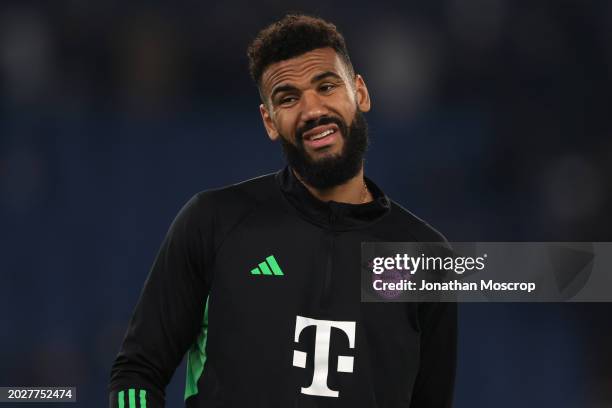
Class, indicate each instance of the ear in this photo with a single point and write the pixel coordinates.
(363, 96)
(268, 123)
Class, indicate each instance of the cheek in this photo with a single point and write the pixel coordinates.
(346, 105)
(285, 123)
(348, 112)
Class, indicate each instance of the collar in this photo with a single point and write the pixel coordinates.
(331, 213)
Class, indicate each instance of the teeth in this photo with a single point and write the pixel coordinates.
(323, 134)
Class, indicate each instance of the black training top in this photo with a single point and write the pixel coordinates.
(259, 283)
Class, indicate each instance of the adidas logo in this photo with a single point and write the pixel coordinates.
(268, 267)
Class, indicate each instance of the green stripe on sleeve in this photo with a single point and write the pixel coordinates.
(132, 394)
(196, 358)
(120, 399)
(274, 265)
(255, 271)
(143, 399)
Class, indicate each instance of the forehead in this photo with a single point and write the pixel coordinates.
(302, 68)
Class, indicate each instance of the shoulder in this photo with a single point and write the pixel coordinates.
(242, 195)
(213, 213)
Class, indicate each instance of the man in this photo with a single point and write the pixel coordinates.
(259, 282)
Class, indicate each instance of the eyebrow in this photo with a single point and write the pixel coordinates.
(316, 78)
(282, 88)
(324, 75)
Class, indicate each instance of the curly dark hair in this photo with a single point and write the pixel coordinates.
(291, 36)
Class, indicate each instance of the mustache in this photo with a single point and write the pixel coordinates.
(323, 120)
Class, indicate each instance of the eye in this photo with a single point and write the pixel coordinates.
(287, 100)
(326, 87)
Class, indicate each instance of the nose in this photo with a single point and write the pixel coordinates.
(313, 106)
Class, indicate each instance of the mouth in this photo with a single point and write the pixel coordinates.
(321, 136)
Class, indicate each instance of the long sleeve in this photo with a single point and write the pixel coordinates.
(169, 311)
(438, 356)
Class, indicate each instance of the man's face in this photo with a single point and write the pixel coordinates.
(314, 105)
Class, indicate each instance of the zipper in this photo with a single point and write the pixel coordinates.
(329, 261)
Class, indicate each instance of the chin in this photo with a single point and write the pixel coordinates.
(331, 151)
(327, 155)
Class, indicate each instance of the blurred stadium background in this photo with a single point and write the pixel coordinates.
(491, 120)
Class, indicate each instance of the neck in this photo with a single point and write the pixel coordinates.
(353, 191)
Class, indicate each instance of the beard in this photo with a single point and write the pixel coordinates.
(336, 169)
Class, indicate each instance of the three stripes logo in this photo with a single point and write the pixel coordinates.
(131, 399)
(268, 267)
